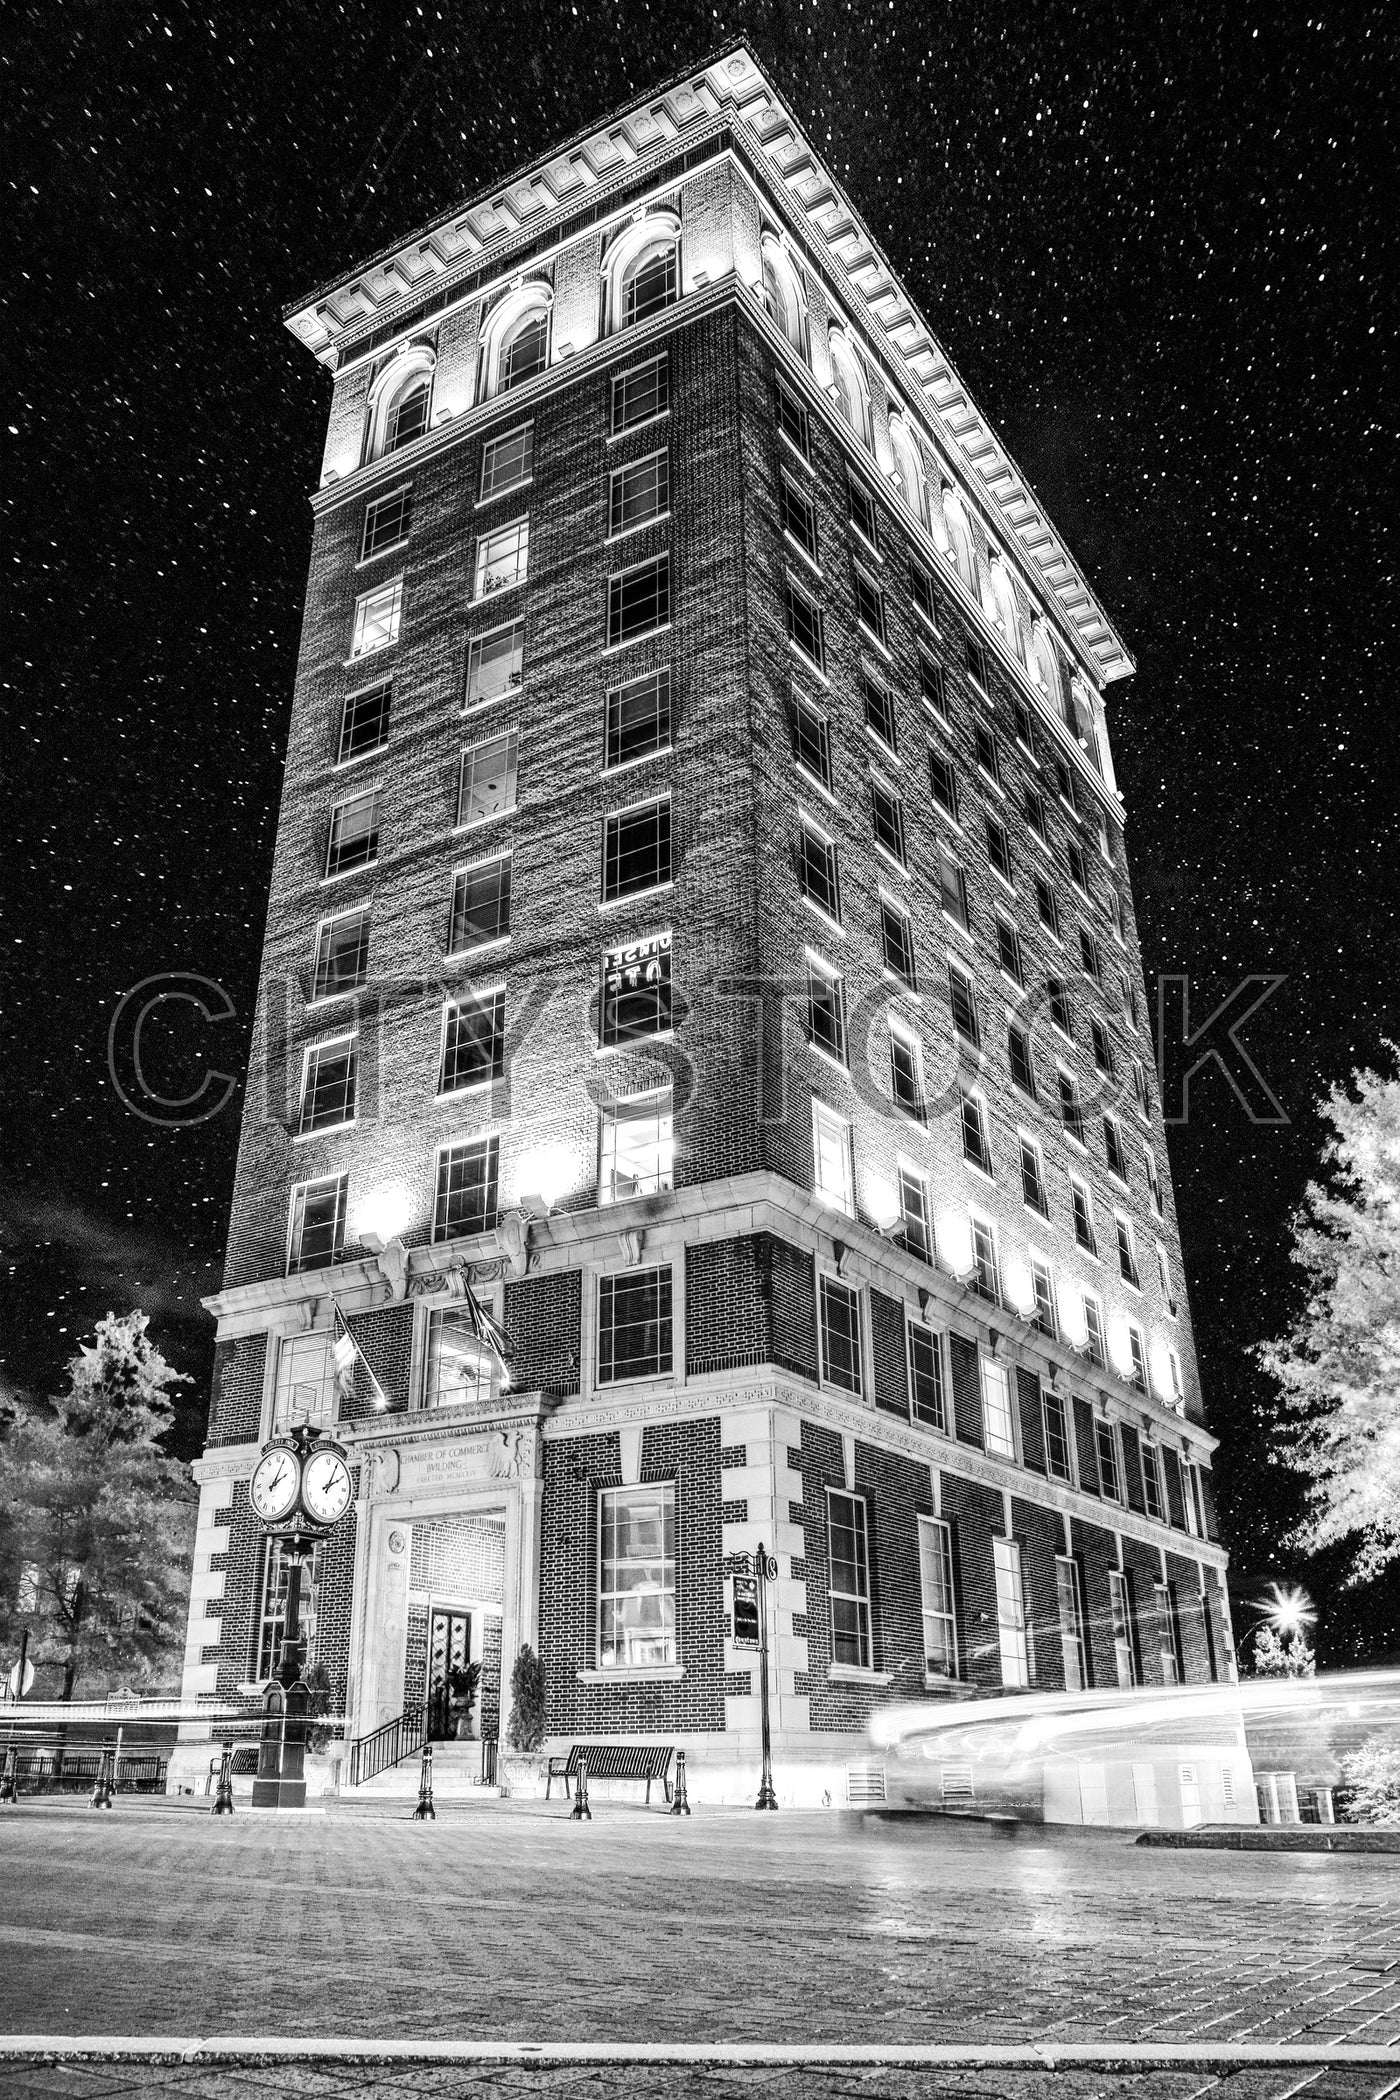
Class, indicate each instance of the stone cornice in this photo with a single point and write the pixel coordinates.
(396, 285)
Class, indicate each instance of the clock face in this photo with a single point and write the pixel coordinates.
(325, 1486)
(273, 1488)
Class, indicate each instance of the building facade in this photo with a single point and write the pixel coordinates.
(700, 923)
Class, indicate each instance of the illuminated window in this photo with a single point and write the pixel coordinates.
(637, 1577)
(637, 1148)
(507, 461)
(936, 1596)
(328, 1086)
(468, 1188)
(316, 1223)
(1012, 1634)
(848, 1586)
(377, 616)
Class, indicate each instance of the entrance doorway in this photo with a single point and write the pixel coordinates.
(449, 1650)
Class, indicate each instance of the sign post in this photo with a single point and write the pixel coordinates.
(765, 1571)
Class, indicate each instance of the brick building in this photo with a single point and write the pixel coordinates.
(700, 921)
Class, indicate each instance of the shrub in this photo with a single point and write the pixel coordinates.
(1371, 1778)
(526, 1727)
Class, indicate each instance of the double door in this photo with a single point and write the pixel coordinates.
(449, 1650)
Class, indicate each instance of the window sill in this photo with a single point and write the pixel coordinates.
(643, 758)
(820, 785)
(498, 591)
(653, 889)
(343, 765)
(876, 641)
(851, 1673)
(892, 860)
(615, 437)
(395, 547)
(807, 662)
(630, 641)
(496, 494)
(885, 748)
(304, 1137)
(666, 1673)
(655, 1035)
(625, 532)
(366, 656)
(791, 540)
(965, 931)
(497, 942)
(818, 912)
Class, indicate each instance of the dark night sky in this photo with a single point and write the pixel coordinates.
(1163, 266)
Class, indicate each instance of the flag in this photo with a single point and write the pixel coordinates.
(348, 1353)
(487, 1329)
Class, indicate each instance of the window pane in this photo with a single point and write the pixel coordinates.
(840, 1325)
(488, 780)
(826, 1015)
(474, 1046)
(831, 1150)
(638, 719)
(507, 461)
(637, 1577)
(502, 558)
(640, 394)
(462, 1371)
(364, 726)
(636, 990)
(354, 833)
(804, 625)
(328, 1093)
(936, 1584)
(996, 1410)
(634, 1325)
(304, 1390)
(792, 421)
(1011, 1614)
(1071, 1624)
(798, 514)
(887, 816)
(480, 905)
(811, 738)
(926, 1366)
(637, 1147)
(467, 1185)
(376, 622)
(817, 873)
(639, 491)
(650, 287)
(524, 353)
(639, 601)
(317, 1232)
(637, 849)
(849, 1572)
(386, 522)
(495, 664)
(342, 954)
(408, 418)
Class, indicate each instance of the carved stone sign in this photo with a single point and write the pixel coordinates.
(475, 1461)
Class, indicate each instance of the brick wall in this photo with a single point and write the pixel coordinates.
(727, 1322)
(235, 1405)
(385, 1338)
(1032, 1425)
(1145, 1567)
(542, 1318)
(1097, 1553)
(891, 1381)
(975, 1513)
(967, 1389)
(459, 1559)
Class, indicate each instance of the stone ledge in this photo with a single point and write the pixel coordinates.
(1278, 1837)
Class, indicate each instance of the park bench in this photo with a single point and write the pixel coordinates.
(646, 1761)
(242, 1765)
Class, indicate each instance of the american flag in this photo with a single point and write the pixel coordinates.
(348, 1353)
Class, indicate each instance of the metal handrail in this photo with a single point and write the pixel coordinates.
(387, 1746)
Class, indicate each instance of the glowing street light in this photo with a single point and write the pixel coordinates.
(1289, 1612)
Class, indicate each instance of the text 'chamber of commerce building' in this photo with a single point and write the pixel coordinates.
(700, 935)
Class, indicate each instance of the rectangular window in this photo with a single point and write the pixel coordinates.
(474, 1042)
(1169, 1633)
(353, 841)
(952, 889)
(849, 1583)
(1035, 814)
(1127, 1251)
(999, 852)
(480, 905)
(1074, 861)
(811, 741)
(1055, 1423)
(928, 1393)
(943, 784)
(1089, 955)
(988, 757)
(328, 1086)
(637, 720)
(934, 687)
(1047, 909)
(1045, 1315)
(976, 1149)
(936, 1589)
(1093, 1325)
(793, 423)
(639, 600)
(1071, 1111)
(1025, 732)
(962, 997)
(634, 1325)
(1152, 1481)
(921, 591)
(637, 849)
(863, 515)
(1154, 1186)
(376, 621)
(637, 1577)
(639, 492)
(640, 394)
(1073, 1649)
(897, 941)
(870, 606)
(1009, 951)
(636, 990)
(364, 722)
(487, 786)
(840, 1335)
(915, 1212)
(459, 1370)
(1018, 1054)
(507, 461)
(986, 1269)
(879, 709)
(798, 514)
(804, 625)
(826, 1009)
(1033, 1178)
(1192, 1498)
(817, 872)
(906, 1073)
(1011, 1615)
(1140, 1088)
(1130, 1004)
(833, 1178)
(1106, 1448)
(1115, 915)
(636, 1146)
(502, 558)
(272, 1607)
(1164, 1278)
(998, 1426)
(342, 954)
(887, 820)
(1082, 1205)
(304, 1389)
(1061, 1012)
(1137, 1357)
(1113, 1148)
(1124, 1646)
(1064, 783)
(387, 523)
(1102, 1047)
(316, 1223)
(1178, 1389)
(495, 665)
(977, 668)
(468, 1188)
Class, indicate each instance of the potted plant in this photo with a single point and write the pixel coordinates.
(462, 1682)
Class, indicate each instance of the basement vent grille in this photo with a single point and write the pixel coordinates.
(865, 1786)
(1227, 1784)
(957, 1782)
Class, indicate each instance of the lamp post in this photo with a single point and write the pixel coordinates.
(766, 1570)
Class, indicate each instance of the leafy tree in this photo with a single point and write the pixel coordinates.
(1277, 1656)
(525, 1729)
(99, 1522)
(1339, 1364)
(1371, 1778)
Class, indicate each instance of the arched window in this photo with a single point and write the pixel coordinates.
(399, 402)
(642, 270)
(1044, 664)
(515, 339)
(782, 296)
(849, 383)
(960, 535)
(1006, 612)
(908, 469)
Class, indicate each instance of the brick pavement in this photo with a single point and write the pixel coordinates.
(637, 1927)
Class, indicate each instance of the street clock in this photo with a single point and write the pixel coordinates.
(325, 1486)
(275, 1482)
(301, 1484)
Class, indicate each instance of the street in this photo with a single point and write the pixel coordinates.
(640, 1927)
